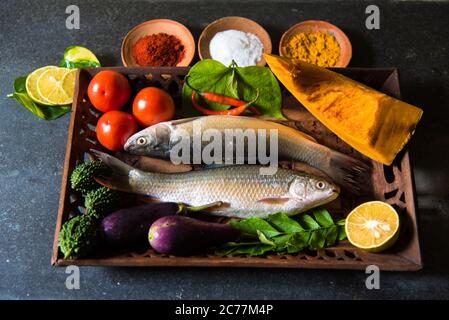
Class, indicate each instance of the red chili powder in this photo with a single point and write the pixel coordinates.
(158, 50)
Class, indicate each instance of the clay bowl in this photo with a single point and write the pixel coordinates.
(233, 23)
(323, 26)
(158, 26)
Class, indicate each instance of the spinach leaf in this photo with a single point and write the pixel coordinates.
(233, 81)
(43, 112)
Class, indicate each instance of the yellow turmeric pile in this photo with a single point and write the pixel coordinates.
(316, 47)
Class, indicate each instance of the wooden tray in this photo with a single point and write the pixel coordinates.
(391, 184)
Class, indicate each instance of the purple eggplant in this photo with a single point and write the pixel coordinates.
(183, 236)
(129, 227)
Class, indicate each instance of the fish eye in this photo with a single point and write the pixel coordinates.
(320, 185)
(141, 141)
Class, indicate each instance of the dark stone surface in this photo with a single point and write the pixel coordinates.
(413, 36)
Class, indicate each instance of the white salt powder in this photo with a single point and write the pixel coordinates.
(244, 48)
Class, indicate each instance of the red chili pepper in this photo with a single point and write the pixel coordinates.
(218, 98)
(230, 112)
(222, 99)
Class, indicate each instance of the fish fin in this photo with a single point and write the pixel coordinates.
(148, 199)
(274, 201)
(118, 179)
(350, 173)
(118, 166)
(114, 182)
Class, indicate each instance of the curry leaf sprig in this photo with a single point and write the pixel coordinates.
(282, 234)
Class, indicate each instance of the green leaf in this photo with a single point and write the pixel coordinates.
(20, 84)
(308, 223)
(316, 232)
(240, 83)
(341, 233)
(43, 112)
(251, 226)
(263, 238)
(331, 235)
(323, 217)
(78, 64)
(283, 223)
(317, 239)
(250, 249)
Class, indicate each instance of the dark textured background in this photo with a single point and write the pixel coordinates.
(414, 36)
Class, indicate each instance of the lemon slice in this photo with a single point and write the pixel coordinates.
(372, 226)
(31, 85)
(52, 88)
(68, 82)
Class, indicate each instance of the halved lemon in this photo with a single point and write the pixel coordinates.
(31, 85)
(54, 85)
(372, 226)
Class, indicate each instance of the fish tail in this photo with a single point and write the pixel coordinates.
(118, 179)
(351, 174)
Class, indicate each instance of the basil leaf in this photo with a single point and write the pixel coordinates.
(323, 217)
(240, 83)
(78, 64)
(283, 223)
(251, 226)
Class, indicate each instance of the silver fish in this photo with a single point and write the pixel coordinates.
(242, 190)
(158, 141)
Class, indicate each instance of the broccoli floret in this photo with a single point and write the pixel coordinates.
(82, 178)
(102, 201)
(78, 236)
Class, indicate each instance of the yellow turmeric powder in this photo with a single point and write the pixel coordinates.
(316, 47)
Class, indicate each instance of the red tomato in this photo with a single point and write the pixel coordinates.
(114, 128)
(109, 90)
(153, 105)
